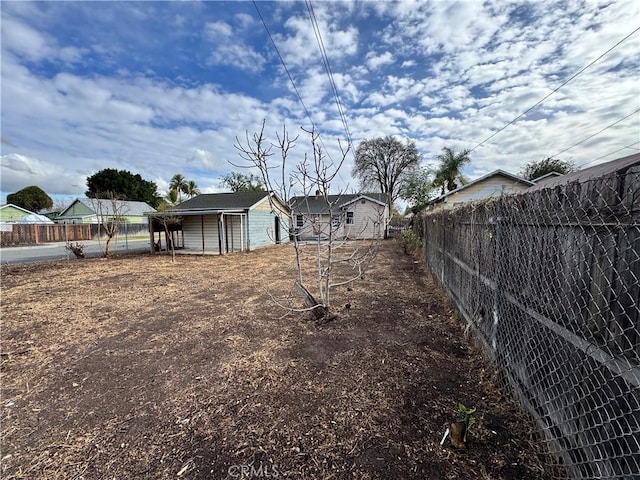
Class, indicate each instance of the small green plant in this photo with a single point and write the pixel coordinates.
(410, 241)
(466, 415)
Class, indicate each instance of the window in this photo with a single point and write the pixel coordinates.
(299, 221)
(349, 218)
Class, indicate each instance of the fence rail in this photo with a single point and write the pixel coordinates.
(29, 234)
(550, 281)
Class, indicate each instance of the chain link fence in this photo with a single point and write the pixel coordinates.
(550, 283)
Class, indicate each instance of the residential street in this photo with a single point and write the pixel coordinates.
(57, 251)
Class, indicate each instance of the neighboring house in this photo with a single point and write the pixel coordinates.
(229, 222)
(95, 210)
(11, 213)
(355, 216)
(493, 184)
(619, 165)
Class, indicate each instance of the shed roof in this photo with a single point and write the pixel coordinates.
(221, 201)
(617, 165)
(318, 204)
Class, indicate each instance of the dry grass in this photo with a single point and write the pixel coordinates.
(140, 368)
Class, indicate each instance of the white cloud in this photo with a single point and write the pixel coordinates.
(218, 30)
(240, 56)
(19, 171)
(376, 61)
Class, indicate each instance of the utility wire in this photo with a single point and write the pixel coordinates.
(327, 66)
(553, 91)
(631, 145)
(597, 133)
(285, 66)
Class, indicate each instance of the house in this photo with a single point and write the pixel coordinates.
(493, 184)
(355, 216)
(11, 213)
(218, 223)
(95, 210)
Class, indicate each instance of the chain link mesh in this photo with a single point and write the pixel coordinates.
(550, 282)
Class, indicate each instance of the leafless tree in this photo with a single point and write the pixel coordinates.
(313, 174)
(110, 212)
(169, 222)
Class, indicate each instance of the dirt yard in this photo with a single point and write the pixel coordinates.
(136, 367)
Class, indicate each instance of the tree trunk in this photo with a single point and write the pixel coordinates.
(319, 311)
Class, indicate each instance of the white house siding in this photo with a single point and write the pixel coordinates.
(192, 229)
(368, 222)
(491, 187)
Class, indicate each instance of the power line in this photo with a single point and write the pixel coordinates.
(553, 91)
(296, 88)
(597, 133)
(610, 153)
(285, 66)
(327, 65)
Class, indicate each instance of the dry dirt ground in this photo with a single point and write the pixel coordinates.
(136, 367)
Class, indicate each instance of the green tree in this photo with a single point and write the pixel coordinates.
(179, 184)
(32, 198)
(191, 190)
(537, 169)
(239, 182)
(109, 182)
(385, 163)
(418, 188)
(448, 172)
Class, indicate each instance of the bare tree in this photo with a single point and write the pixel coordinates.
(385, 163)
(110, 212)
(169, 223)
(313, 174)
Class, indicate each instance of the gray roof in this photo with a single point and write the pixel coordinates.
(618, 165)
(124, 207)
(35, 218)
(221, 201)
(318, 204)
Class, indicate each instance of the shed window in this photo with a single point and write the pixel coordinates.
(299, 221)
(349, 218)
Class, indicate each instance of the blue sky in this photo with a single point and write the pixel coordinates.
(160, 88)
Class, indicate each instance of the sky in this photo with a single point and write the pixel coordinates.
(159, 88)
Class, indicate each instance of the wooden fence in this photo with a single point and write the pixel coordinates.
(31, 234)
(550, 282)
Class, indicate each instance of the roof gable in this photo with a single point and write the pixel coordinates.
(495, 173)
(11, 206)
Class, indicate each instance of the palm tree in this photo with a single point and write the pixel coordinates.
(171, 197)
(179, 184)
(191, 189)
(449, 170)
